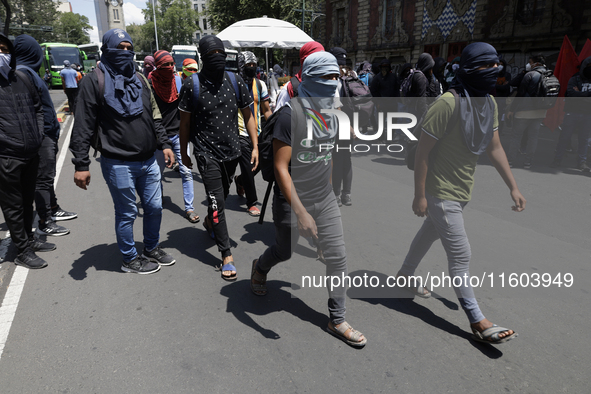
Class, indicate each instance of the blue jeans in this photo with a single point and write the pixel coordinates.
(186, 174)
(124, 178)
(571, 123)
(445, 222)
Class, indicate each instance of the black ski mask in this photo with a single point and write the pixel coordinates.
(214, 64)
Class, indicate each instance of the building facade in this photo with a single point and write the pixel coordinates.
(204, 23)
(109, 15)
(400, 30)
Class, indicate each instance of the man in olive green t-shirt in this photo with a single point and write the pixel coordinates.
(444, 177)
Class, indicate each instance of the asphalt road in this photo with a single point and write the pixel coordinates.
(83, 326)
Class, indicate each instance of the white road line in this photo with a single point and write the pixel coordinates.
(17, 282)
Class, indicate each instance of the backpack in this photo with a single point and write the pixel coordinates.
(364, 78)
(265, 146)
(95, 140)
(360, 99)
(406, 85)
(411, 148)
(548, 89)
(294, 86)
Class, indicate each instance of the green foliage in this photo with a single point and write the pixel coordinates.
(176, 22)
(72, 28)
(32, 12)
(141, 41)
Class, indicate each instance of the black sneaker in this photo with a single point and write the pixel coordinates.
(140, 265)
(40, 246)
(29, 259)
(52, 229)
(346, 200)
(339, 202)
(60, 214)
(159, 256)
(583, 167)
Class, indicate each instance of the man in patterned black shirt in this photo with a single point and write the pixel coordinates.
(210, 120)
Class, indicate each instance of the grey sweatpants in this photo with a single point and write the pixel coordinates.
(327, 215)
(445, 222)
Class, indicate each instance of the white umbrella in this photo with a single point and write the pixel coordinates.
(263, 33)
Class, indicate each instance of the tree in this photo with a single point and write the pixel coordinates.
(72, 28)
(32, 12)
(176, 22)
(141, 41)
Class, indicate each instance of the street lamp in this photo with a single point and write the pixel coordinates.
(155, 30)
(67, 38)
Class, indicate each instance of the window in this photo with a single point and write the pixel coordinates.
(432, 50)
(198, 36)
(116, 15)
(340, 25)
(196, 7)
(390, 17)
(454, 50)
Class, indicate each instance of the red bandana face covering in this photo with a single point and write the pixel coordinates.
(164, 82)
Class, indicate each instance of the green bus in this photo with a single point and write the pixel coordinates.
(54, 55)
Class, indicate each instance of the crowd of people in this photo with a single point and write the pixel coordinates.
(142, 123)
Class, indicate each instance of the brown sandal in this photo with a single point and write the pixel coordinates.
(258, 287)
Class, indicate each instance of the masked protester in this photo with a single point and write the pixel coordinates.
(29, 57)
(245, 185)
(291, 88)
(577, 117)
(166, 85)
(21, 138)
(129, 128)
(303, 188)
(190, 67)
(210, 120)
(444, 178)
(149, 66)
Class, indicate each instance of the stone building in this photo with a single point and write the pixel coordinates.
(109, 15)
(400, 30)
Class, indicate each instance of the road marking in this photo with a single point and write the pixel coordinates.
(17, 282)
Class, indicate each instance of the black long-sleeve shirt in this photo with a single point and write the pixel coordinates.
(133, 138)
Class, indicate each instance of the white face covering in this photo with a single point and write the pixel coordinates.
(528, 67)
(5, 64)
(455, 67)
(500, 68)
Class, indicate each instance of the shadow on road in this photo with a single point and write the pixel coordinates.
(241, 303)
(104, 257)
(398, 299)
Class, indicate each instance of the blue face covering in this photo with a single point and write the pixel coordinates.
(5, 64)
(316, 66)
(123, 89)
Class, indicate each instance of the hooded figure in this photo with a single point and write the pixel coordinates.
(452, 69)
(473, 86)
(213, 56)
(503, 87)
(306, 50)
(278, 71)
(385, 84)
(247, 72)
(149, 66)
(123, 89)
(163, 78)
(29, 56)
(438, 70)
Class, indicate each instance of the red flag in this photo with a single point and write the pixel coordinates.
(566, 67)
(586, 51)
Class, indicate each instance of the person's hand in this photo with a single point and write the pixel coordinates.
(307, 226)
(576, 88)
(519, 201)
(509, 115)
(254, 158)
(419, 206)
(186, 159)
(82, 179)
(168, 157)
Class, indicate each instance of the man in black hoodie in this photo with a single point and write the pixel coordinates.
(423, 84)
(577, 117)
(29, 56)
(21, 135)
(384, 84)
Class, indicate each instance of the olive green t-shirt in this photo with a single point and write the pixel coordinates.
(451, 163)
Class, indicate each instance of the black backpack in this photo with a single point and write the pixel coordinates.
(360, 99)
(406, 85)
(294, 86)
(548, 89)
(265, 146)
(411, 148)
(95, 140)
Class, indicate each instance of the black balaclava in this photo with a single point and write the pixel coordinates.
(214, 64)
(28, 52)
(586, 68)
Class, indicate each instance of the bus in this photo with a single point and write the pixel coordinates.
(54, 55)
(93, 54)
(232, 60)
(181, 52)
